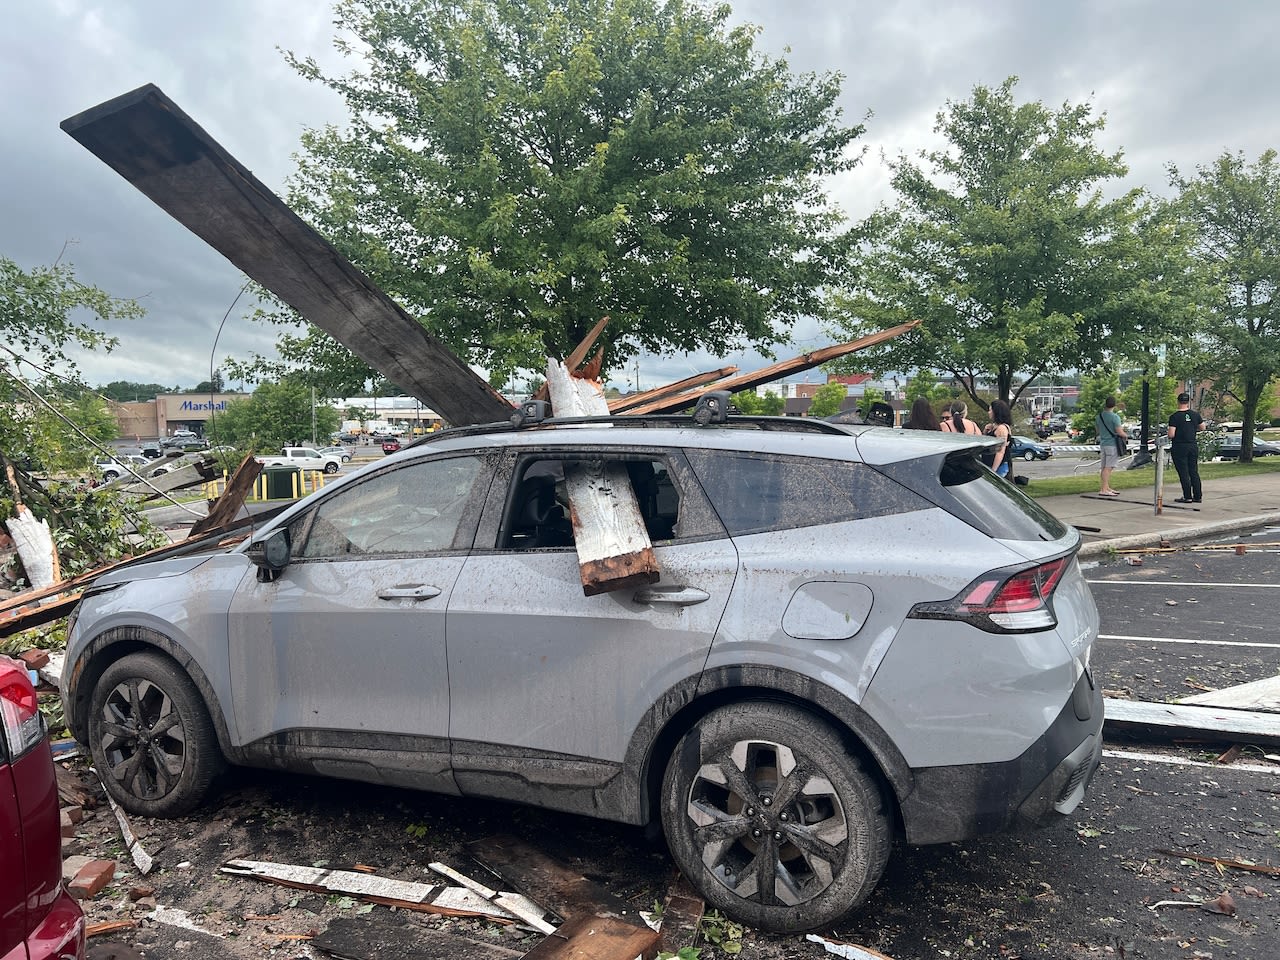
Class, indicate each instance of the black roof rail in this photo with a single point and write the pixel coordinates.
(640, 422)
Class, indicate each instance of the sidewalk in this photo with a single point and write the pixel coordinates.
(1130, 520)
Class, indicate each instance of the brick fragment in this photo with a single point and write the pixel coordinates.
(91, 879)
(35, 659)
(137, 893)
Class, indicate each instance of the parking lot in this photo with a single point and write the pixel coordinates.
(1097, 885)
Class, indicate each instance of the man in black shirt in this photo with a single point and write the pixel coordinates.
(1184, 424)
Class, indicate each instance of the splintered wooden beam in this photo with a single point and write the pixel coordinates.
(226, 507)
(614, 550)
(624, 404)
(785, 368)
(579, 354)
(144, 137)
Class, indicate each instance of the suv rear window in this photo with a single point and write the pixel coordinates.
(961, 484)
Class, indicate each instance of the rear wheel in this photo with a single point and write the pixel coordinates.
(772, 819)
(151, 737)
(1029, 456)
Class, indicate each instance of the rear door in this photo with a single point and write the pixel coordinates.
(538, 669)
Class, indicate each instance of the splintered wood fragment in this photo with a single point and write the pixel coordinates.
(34, 542)
(1260, 695)
(1173, 719)
(108, 926)
(563, 890)
(407, 894)
(1223, 862)
(141, 859)
(747, 381)
(512, 903)
(626, 404)
(227, 506)
(143, 136)
(614, 551)
(575, 359)
(597, 938)
(681, 914)
(849, 951)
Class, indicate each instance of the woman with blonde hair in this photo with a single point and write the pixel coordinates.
(959, 421)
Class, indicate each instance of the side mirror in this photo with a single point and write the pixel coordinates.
(271, 554)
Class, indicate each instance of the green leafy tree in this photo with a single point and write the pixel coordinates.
(828, 399)
(48, 417)
(515, 169)
(925, 384)
(772, 405)
(1235, 208)
(126, 391)
(749, 403)
(275, 415)
(1005, 246)
(1162, 400)
(1094, 390)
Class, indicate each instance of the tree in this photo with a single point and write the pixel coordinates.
(126, 391)
(1003, 244)
(515, 169)
(1094, 390)
(828, 399)
(276, 415)
(1235, 207)
(925, 384)
(49, 419)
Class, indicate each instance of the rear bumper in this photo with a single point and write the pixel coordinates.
(1042, 786)
(60, 935)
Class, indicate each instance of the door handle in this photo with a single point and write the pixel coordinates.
(677, 595)
(409, 591)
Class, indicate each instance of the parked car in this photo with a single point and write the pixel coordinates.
(339, 451)
(1229, 447)
(112, 468)
(390, 444)
(349, 437)
(784, 709)
(38, 918)
(152, 451)
(1029, 449)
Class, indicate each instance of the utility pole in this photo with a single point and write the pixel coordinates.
(313, 416)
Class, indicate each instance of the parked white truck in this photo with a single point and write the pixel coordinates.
(308, 458)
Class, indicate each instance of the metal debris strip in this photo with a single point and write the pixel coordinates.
(409, 894)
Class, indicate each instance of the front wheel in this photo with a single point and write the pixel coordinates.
(771, 818)
(330, 467)
(151, 737)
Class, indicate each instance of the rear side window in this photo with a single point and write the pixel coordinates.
(755, 493)
(963, 486)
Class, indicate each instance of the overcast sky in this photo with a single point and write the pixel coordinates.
(1178, 80)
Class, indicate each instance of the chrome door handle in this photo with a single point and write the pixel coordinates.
(679, 596)
(409, 591)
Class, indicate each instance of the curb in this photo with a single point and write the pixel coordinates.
(1136, 541)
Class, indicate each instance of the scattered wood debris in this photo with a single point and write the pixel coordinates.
(141, 859)
(407, 894)
(1223, 862)
(109, 926)
(383, 935)
(850, 951)
(597, 938)
(564, 891)
(1181, 720)
(681, 913)
(512, 903)
(1222, 904)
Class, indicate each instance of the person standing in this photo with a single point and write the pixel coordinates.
(1184, 424)
(959, 421)
(1001, 426)
(1110, 431)
(922, 416)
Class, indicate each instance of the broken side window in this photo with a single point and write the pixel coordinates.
(417, 508)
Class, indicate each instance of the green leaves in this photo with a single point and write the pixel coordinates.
(516, 169)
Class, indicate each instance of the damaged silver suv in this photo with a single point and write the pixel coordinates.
(856, 632)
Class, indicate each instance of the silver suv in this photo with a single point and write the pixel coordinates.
(857, 631)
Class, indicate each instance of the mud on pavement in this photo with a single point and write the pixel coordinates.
(1084, 889)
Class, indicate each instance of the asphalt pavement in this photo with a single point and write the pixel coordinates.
(1134, 520)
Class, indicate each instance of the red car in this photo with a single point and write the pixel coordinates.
(38, 918)
(390, 445)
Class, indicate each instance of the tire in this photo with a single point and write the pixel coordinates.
(330, 467)
(346, 458)
(151, 737)
(1029, 455)
(723, 827)
(109, 475)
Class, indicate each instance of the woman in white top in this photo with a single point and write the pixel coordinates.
(959, 421)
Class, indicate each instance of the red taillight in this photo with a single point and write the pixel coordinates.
(1004, 601)
(19, 709)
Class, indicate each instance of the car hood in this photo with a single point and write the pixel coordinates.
(150, 570)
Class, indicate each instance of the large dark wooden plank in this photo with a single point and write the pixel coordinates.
(542, 878)
(383, 935)
(144, 137)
